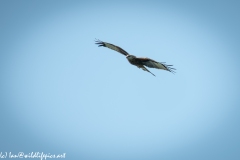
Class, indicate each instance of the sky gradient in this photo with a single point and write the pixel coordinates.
(60, 93)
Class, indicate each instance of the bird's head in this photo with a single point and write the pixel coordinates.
(130, 57)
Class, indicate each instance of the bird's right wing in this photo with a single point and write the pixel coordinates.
(111, 46)
(153, 64)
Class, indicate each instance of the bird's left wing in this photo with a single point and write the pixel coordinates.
(111, 46)
(153, 64)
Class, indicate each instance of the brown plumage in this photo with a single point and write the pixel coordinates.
(139, 62)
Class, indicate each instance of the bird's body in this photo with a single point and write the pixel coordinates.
(137, 61)
(133, 60)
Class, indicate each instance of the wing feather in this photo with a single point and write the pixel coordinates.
(154, 64)
(111, 46)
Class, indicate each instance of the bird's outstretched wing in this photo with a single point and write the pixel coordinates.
(153, 64)
(111, 46)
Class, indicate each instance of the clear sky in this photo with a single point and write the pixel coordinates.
(60, 93)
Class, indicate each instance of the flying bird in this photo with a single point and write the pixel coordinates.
(137, 61)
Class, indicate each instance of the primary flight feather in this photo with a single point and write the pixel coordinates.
(137, 61)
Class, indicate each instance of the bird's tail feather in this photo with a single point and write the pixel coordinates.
(145, 69)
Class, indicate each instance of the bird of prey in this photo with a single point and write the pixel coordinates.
(137, 61)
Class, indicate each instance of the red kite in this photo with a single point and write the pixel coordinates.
(139, 62)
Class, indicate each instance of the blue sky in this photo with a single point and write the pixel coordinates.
(60, 93)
